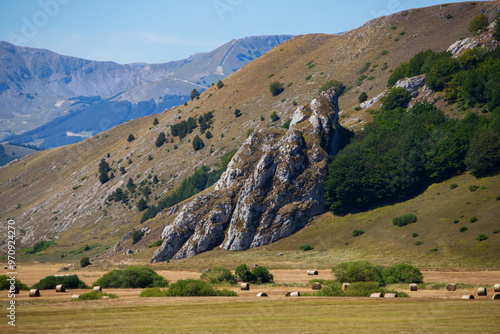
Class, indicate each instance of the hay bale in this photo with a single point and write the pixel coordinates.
(467, 297)
(377, 295)
(312, 272)
(245, 286)
(262, 294)
(75, 296)
(97, 288)
(34, 293)
(391, 295)
(316, 286)
(413, 287)
(61, 288)
(496, 287)
(345, 285)
(293, 294)
(496, 297)
(482, 292)
(451, 287)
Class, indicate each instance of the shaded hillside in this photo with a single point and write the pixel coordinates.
(56, 194)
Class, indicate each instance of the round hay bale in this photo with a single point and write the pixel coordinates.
(61, 288)
(75, 296)
(245, 286)
(316, 286)
(482, 292)
(34, 293)
(377, 295)
(496, 297)
(413, 287)
(262, 294)
(97, 288)
(496, 287)
(391, 295)
(467, 297)
(293, 294)
(345, 285)
(451, 287)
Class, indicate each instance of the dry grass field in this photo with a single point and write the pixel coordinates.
(426, 311)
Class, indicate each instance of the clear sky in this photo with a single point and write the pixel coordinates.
(155, 31)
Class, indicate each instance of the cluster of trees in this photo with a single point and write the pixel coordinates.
(103, 170)
(202, 178)
(402, 152)
(205, 121)
(184, 128)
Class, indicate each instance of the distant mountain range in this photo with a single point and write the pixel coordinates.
(51, 100)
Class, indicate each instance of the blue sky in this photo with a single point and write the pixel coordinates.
(157, 31)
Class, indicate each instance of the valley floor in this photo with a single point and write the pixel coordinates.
(426, 311)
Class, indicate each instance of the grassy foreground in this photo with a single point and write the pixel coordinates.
(224, 315)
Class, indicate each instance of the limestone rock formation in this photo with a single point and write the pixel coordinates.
(271, 188)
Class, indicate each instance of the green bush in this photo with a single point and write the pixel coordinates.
(156, 243)
(363, 289)
(137, 236)
(478, 23)
(160, 140)
(481, 237)
(402, 273)
(94, 295)
(339, 87)
(453, 185)
(274, 116)
(306, 248)
(286, 125)
(262, 275)
(276, 88)
(155, 121)
(153, 292)
(364, 68)
(198, 143)
(473, 219)
(39, 246)
(192, 287)
(218, 275)
(418, 243)
(330, 290)
(456, 221)
(244, 273)
(132, 277)
(220, 84)
(50, 282)
(362, 97)
(237, 113)
(463, 229)
(473, 188)
(308, 77)
(84, 261)
(433, 250)
(414, 234)
(5, 284)
(404, 220)
(358, 271)
(357, 233)
(397, 98)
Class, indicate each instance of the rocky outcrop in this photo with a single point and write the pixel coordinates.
(484, 40)
(271, 188)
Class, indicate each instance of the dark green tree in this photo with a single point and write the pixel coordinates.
(198, 143)
(208, 135)
(276, 88)
(103, 171)
(220, 84)
(195, 94)
(84, 261)
(362, 97)
(142, 204)
(160, 140)
(274, 116)
(483, 157)
(130, 138)
(137, 236)
(155, 122)
(397, 98)
(237, 113)
(478, 24)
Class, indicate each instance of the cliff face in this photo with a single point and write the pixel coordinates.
(271, 188)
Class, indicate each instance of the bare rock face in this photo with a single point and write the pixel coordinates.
(271, 188)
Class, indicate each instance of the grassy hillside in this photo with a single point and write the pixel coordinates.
(56, 195)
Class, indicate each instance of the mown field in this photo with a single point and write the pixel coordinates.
(426, 311)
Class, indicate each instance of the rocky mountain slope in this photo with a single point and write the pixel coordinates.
(37, 86)
(56, 194)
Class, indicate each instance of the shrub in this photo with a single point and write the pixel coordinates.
(262, 275)
(308, 77)
(362, 97)
(330, 290)
(160, 140)
(481, 237)
(495, 231)
(339, 87)
(220, 84)
(404, 220)
(473, 219)
(356, 233)
(153, 292)
(362, 289)
(156, 244)
(384, 52)
(286, 125)
(456, 221)
(414, 235)
(433, 250)
(244, 273)
(142, 205)
(478, 23)
(50, 282)
(132, 277)
(306, 248)
(94, 295)
(276, 88)
(155, 121)
(402, 273)
(364, 68)
(418, 243)
(198, 143)
(208, 135)
(130, 138)
(473, 188)
(84, 261)
(218, 275)
(453, 185)
(397, 98)
(39, 246)
(5, 284)
(192, 287)
(274, 116)
(357, 271)
(463, 229)
(194, 94)
(237, 113)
